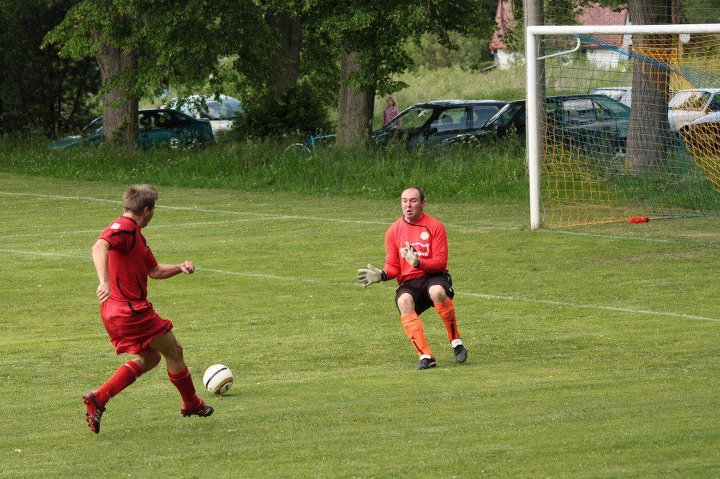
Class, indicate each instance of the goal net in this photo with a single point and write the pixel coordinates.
(623, 123)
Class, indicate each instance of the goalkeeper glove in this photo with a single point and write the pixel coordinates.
(410, 255)
(368, 276)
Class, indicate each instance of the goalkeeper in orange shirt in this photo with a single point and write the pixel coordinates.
(416, 252)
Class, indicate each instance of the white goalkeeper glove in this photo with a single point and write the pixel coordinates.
(410, 255)
(368, 276)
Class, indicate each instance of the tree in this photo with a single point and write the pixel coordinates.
(368, 37)
(651, 86)
(142, 46)
(38, 89)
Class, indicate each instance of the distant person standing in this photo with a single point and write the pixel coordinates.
(123, 262)
(390, 111)
(416, 253)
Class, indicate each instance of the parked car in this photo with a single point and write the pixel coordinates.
(438, 122)
(588, 121)
(687, 106)
(703, 134)
(221, 111)
(155, 127)
(623, 94)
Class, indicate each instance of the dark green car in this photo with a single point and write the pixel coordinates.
(594, 122)
(156, 127)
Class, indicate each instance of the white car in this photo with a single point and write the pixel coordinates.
(623, 94)
(221, 111)
(689, 105)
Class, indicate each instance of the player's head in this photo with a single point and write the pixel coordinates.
(412, 202)
(140, 200)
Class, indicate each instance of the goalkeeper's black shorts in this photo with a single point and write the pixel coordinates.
(419, 289)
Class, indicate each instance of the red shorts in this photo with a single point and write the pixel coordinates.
(132, 325)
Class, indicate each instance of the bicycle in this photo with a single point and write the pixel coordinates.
(309, 146)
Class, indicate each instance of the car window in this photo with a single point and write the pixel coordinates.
(226, 109)
(179, 120)
(166, 119)
(413, 117)
(689, 100)
(612, 108)
(578, 110)
(714, 103)
(481, 115)
(512, 112)
(601, 112)
(450, 120)
(145, 121)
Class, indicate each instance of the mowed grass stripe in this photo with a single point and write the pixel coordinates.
(486, 296)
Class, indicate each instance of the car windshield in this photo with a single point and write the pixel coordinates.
(413, 117)
(505, 116)
(92, 127)
(689, 100)
(615, 108)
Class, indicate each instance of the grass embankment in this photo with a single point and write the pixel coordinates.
(482, 171)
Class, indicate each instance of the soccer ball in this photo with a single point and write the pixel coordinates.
(218, 378)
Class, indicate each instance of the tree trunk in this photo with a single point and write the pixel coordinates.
(118, 72)
(356, 106)
(650, 90)
(285, 63)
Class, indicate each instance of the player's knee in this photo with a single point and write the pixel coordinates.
(405, 303)
(437, 294)
(175, 353)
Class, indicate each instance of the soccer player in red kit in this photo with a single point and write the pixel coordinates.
(416, 253)
(123, 262)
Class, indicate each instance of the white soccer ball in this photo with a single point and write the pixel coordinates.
(218, 378)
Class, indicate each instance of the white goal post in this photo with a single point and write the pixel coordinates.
(532, 35)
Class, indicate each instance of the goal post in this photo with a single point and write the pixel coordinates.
(592, 160)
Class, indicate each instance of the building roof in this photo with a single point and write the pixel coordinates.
(593, 14)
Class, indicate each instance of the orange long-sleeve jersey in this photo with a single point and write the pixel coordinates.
(427, 237)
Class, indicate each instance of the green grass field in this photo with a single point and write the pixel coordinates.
(594, 352)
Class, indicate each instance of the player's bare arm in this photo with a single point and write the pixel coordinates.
(100, 253)
(164, 271)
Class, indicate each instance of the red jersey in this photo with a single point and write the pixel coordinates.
(129, 260)
(427, 237)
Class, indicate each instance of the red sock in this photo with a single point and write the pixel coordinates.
(183, 383)
(123, 377)
(446, 310)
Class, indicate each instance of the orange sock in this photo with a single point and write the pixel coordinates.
(446, 310)
(414, 330)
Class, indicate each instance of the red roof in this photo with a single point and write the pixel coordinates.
(599, 15)
(593, 14)
(504, 21)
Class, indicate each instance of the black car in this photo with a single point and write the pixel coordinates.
(588, 121)
(438, 122)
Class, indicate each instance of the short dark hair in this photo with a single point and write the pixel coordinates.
(139, 197)
(422, 193)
